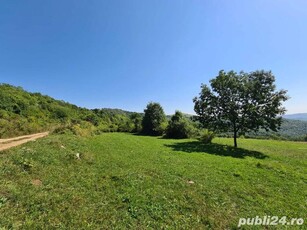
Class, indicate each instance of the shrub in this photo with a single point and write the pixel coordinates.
(206, 136)
(60, 113)
(179, 127)
(84, 128)
(63, 129)
(136, 120)
(160, 129)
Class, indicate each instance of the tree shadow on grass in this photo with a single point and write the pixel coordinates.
(215, 149)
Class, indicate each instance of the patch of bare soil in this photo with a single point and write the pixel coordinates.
(12, 142)
(37, 182)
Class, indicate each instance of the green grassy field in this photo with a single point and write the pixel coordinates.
(129, 181)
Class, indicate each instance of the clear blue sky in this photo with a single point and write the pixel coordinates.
(123, 54)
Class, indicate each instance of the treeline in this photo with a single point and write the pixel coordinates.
(22, 113)
(182, 125)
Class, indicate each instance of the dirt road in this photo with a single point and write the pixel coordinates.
(12, 142)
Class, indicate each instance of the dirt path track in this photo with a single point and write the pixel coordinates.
(12, 142)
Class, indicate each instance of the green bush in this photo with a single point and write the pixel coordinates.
(206, 136)
(179, 127)
(63, 129)
(136, 120)
(83, 128)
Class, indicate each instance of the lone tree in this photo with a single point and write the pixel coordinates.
(154, 120)
(241, 102)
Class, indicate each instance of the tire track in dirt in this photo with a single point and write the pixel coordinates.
(12, 142)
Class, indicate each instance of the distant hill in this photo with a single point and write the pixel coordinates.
(187, 115)
(293, 128)
(296, 116)
(114, 111)
(289, 129)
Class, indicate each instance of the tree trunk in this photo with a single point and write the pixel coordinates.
(235, 139)
(235, 135)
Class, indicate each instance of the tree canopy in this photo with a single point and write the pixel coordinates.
(240, 102)
(154, 120)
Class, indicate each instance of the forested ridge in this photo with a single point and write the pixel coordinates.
(22, 112)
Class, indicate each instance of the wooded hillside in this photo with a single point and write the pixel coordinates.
(22, 112)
